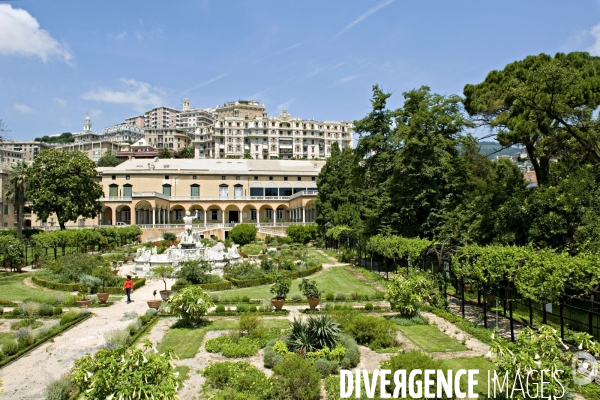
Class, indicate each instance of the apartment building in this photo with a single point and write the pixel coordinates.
(29, 149)
(267, 138)
(161, 117)
(122, 133)
(171, 138)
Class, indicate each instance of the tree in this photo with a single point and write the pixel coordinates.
(163, 272)
(248, 156)
(191, 304)
(16, 190)
(3, 131)
(545, 104)
(186, 152)
(165, 152)
(64, 183)
(109, 159)
(243, 234)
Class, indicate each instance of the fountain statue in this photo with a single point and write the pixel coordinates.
(189, 248)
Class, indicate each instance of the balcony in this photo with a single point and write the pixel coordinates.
(116, 198)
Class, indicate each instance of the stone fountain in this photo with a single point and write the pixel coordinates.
(189, 248)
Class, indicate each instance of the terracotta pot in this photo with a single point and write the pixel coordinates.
(103, 297)
(20, 267)
(154, 304)
(353, 261)
(7, 263)
(278, 304)
(468, 287)
(164, 294)
(83, 303)
(129, 259)
(313, 303)
(115, 272)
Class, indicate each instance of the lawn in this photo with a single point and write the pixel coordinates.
(315, 255)
(13, 289)
(186, 341)
(336, 279)
(6, 337)
(431, 339)
(482, 364)
(184, 372)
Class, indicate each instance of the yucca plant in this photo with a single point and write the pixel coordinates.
(323, 331)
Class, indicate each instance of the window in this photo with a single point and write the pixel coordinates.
(256, 178)
(269, 213)
(272, 192)
(126, 177)
(285, 178)
(237, 191)
(237, 178)
(257, 191)
(223, 177)
(314, 178)
(5, 209)
(114, 177)
(113, 191)
(194, 176)
(167, 190)
(280, 214)
(270, 178)
(214, 215)
(127, 190)
(166, 176)
(223, 191)
(299, 178)
(195, 190)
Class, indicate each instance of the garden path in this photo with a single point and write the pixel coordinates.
(476, 346)
(27, 377)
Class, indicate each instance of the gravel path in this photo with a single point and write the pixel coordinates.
(26, 378)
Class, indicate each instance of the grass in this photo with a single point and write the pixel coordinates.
(336, 279)
(13, 289)
(482, 364)
(330, 253)
(6, 337)
(184, 372)
(315, 255)
(431, 339)
(186, 341)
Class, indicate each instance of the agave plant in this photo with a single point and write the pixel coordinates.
(313, 334)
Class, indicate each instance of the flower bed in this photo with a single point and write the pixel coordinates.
(222, 285)
(268, 279)
(76, 287)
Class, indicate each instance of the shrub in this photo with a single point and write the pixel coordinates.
(59, 389)
(151, 312)
(412, 360)
(233, 345)
(30, 323)
(309, 289)
(250, 324)
(68, 317)
(373, 332)
(116, 337)
(245, 299)
(409, 321)
(45, 310)
(281, 287)
(10, 348)
(24, 337)
(169, 236)
(407, 294)
(302, 233)
(57, 311)
(194, 271)
(239, 378)
(29, 308)
(352, 356)
(341, 296)
(271, 357)
(329, 297)
(325, 367)
(135, 326)
(369, 306)
(129, 315)
(242, 308)
(297, 379)
(220, 308)
(243, 234)
(155, 376)
(313, 334)
(191, 304)
(245, 270)
(296, 297)
(15, 312)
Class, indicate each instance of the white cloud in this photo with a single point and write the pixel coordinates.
(284, 106)
(322, 68)
(121, 35)
(22, 108)
(21, 34)
(366, 14)
(346, 79)
(140, 95)
(60, 101)
(208, 82)
(595, 48)
(95, 113)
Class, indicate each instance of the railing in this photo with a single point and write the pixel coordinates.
(212, 225)
(304, 193)
(116, 198)
(228, 198)
(209, 198)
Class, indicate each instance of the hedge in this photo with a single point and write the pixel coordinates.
(223, 285)
(39, 342)
(76, 287)
(268, 279)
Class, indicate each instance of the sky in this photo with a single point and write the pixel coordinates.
(62, 60)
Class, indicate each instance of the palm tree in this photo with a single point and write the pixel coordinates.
(16, 190)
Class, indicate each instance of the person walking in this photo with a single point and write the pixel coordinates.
(128, 286)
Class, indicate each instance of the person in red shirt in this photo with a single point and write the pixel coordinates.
(128, 286)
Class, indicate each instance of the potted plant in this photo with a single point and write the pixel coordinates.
(129, 257)
(154, 303)
(115, 268)
(311, 291)
(163, 272)
(82, 299)
(105, 275)
(280, 288)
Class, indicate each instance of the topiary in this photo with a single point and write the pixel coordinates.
(220, 308)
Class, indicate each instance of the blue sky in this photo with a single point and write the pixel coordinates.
(60, 60)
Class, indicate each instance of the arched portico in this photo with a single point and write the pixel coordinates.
(249, 213)
(107, 216)
(200, 210)
(123, 214)
(144, 213)
(214, 214)
(232, 214)
(176, 213)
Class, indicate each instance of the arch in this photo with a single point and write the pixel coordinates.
(299, 187)
(285, 189)
(257, 189)
(271, 189)
(27, 223)
(312, 186)
(249, 213)
(266, 213)
(214, 212)
(107, 216)
(143, 212)
(200, 209)
(232, 214)
(176, 213)
(282, 213)
(123, 214)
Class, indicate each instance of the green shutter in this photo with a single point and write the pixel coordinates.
(195, 191)
(113, 191)
(127, 191)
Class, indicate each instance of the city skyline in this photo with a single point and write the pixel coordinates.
(63, 60)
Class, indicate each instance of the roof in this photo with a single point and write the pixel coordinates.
(263, 167)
